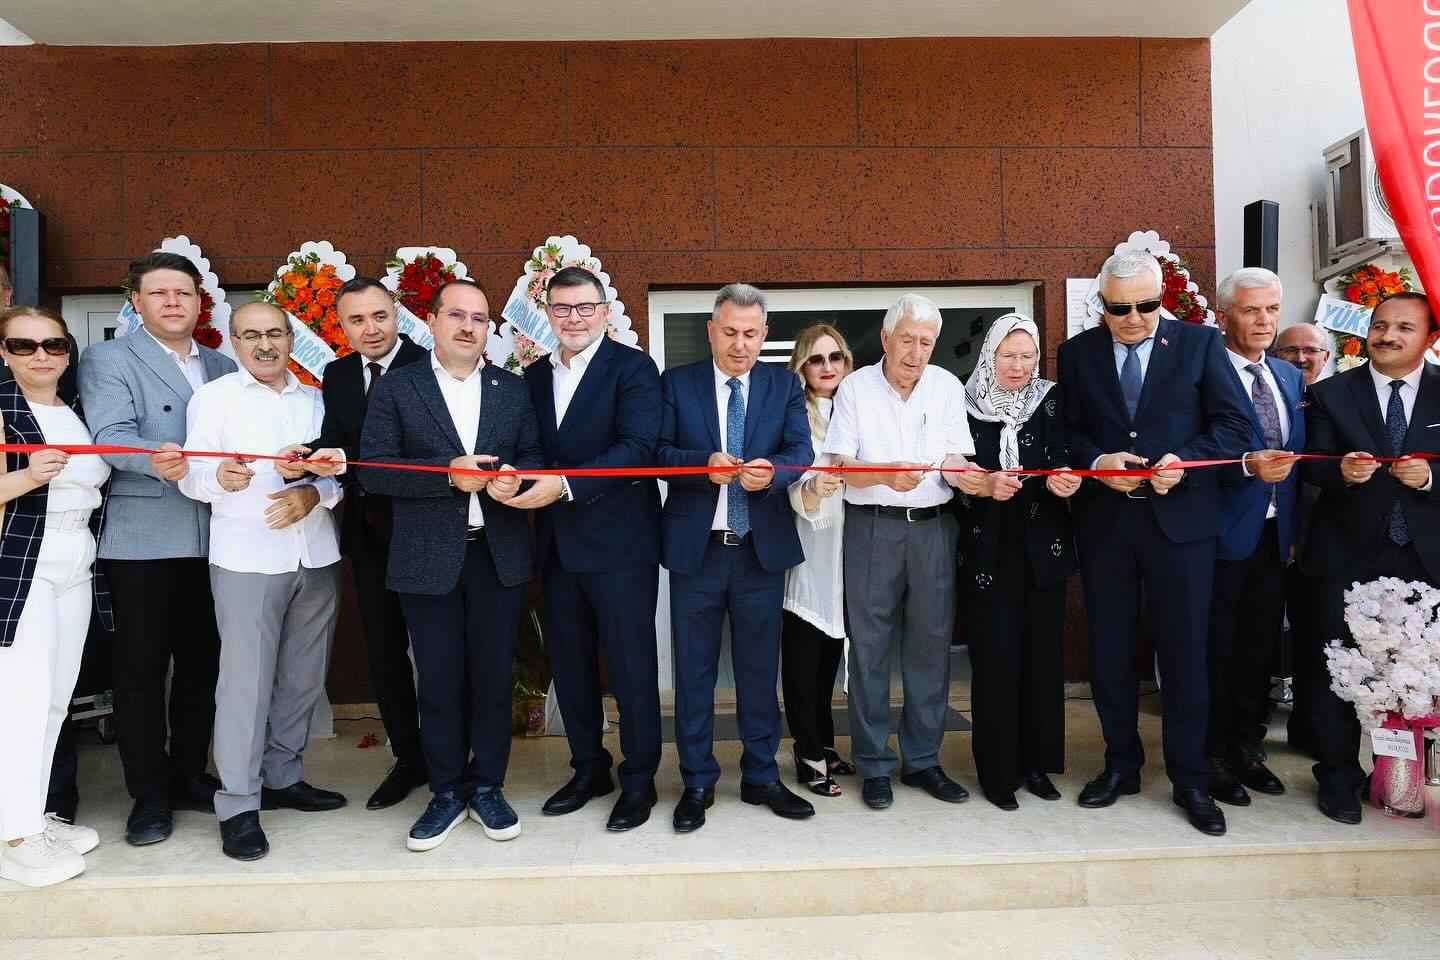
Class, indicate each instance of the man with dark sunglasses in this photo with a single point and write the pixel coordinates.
(1144, 392)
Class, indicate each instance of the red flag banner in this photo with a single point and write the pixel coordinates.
(1397, 48)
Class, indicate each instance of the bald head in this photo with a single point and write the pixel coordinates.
(1307, 346)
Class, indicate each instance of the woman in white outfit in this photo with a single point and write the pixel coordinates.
(47, 552)
(813, 639)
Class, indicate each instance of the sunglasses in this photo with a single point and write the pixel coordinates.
(20, 347)
(836, 359)
(1123, 309)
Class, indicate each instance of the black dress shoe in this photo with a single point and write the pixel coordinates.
(1223, 785)
(196, 793)
(1004, 799)
(876, 793)
(578, 791)
(1340, 805)
(150, 822)
(1107, 788)
(632, 808)
(241, 837)
(1248, 768)
(778, 798)
(1039, 784)
(1204, 815)
(300, 796)
(934, 782)
(690, 811)
(402, 778)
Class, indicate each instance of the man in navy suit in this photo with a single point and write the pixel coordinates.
(1259, 517)
(598, 405)
(1145, 392)
(459, 557)
(1371, 521)
(727, 539)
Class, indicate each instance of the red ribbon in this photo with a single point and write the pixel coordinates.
(676, 471)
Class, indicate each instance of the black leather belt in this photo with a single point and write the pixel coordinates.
(474, 533)
(729, 538)
(909, 514)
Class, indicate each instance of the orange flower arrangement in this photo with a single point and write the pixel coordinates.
(307, 292)
(1368, 285)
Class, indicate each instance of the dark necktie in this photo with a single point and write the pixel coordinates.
(376, 371)
(1265, 411)
(737, 502)
(1131, 380)
(1395, 426)
(368, 512)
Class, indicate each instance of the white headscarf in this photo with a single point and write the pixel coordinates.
(987, 400)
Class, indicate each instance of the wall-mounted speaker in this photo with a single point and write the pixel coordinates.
(1262, 235)
(27, 238)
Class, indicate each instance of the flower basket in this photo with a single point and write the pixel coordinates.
(305, 287)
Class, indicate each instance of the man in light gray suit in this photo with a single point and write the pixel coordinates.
(155, 546)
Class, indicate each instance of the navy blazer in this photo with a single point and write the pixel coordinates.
(24, 524)
(776, 429)
(1351, 521)
(408, 422)
(613, 420)
(1244, 501)
(1191, 405)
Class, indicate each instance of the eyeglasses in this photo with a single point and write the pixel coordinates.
(1123, 309)
(586, 310)
(1026, 358)
(20, 347)
(835, 359)
(460, 316)
(1290, 353)
(255, 336)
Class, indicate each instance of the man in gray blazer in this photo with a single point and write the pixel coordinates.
(460, 556)
(155, 545)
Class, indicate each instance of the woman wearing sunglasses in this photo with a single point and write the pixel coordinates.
(1016, 553)
(813, 640)
(47, 550)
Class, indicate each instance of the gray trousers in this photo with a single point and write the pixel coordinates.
(899, 594)
(275, 633)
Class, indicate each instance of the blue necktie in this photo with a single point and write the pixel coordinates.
(737, 503)
(1131, 379)
(1265, 411)
(1395, 426)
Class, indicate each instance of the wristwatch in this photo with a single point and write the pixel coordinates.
(565, 495)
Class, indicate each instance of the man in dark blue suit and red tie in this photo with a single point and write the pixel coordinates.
(727, 539)
(1259, 520)
(1146, 392)
(598, 405)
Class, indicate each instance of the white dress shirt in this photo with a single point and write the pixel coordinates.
(191, 366)
(239, 414)
(384, 362)
(77, 485)
(721, 519)
(1247, 380)
(872, 422)
(566, 379)
(462, 399)
(1142, 351)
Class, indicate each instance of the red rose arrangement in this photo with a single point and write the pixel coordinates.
(5, 230)
(1176, 295)
(205, 334)
(419, 279)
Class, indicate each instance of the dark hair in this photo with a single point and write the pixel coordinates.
(359, 285)
(14, 313)
(1410, 295)
(161, 260)
(574, 277)
(439, 296)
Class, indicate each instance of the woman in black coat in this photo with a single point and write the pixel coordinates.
(1015, 555)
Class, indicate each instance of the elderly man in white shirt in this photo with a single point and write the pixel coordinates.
(275, 573)
(900, 541)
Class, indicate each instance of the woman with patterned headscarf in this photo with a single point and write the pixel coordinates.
(1015, 555)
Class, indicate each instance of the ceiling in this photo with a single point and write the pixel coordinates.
(163, 22)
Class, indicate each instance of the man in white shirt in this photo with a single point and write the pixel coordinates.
(900, 543)
(275, 574)
(1259, 516)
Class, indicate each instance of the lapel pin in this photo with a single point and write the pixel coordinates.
(494, 383)
(1164, 342)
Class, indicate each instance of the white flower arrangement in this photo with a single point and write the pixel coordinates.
(1394, 666)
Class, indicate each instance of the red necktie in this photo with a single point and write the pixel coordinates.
(375, 372)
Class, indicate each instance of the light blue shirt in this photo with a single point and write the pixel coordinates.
(1143, 351)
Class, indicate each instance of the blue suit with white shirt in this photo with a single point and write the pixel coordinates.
(741, 574)
(1244, 499)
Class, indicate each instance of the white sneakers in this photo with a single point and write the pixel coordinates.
(49, 857)
(39, 861)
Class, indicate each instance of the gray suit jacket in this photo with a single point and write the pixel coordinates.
(138, 397)
(408, 422)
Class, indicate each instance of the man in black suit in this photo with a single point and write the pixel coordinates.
(367, 314)
(459, 558)
(1372, 520)
(1143, 391)
(599, 406)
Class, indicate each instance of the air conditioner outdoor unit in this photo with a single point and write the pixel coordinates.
(1356, 211)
